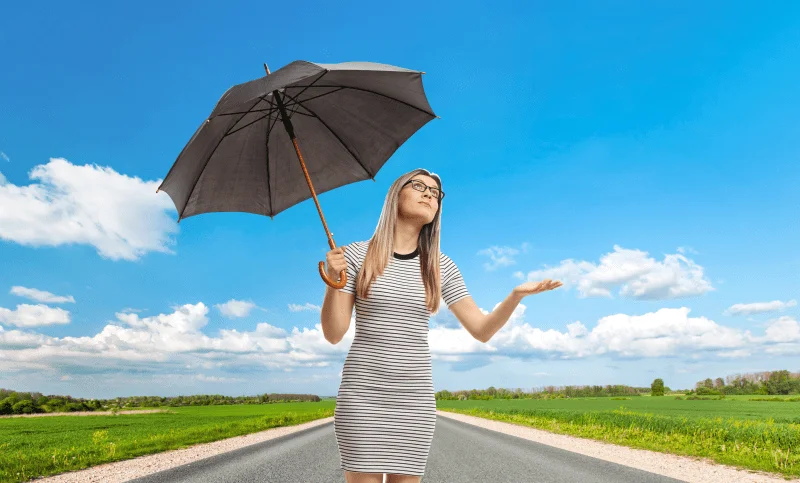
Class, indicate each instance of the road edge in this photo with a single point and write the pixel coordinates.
(684, 468)
(126, 470)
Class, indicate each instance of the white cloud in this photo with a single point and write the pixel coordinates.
(204, 378)
(785, 329)
(130, 309)
(637, 275)
(666, 332)
(759, 307)
(500, 256)
(235, 308)
(175, 342)
(33, 316)
(122, 217)
(4, 156)
(40, 295)
(171, 342)
(307, 306)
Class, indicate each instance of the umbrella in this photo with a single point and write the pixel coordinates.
(349, 117)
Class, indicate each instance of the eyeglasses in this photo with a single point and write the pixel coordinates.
(420, 186)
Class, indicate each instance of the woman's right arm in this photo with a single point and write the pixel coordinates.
(337, 306)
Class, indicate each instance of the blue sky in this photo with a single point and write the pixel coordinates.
(646, 156)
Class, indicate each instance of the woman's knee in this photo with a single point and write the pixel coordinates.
(394, 478)
(355, 477)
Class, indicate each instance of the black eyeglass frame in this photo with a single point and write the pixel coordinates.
(440, 198)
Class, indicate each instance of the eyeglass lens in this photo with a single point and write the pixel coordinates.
(420, 186)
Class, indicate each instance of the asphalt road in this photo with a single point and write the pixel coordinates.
(460, 453)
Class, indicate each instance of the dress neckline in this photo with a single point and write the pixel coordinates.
(406, 256)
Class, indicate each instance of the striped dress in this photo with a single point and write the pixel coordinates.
(385, 411)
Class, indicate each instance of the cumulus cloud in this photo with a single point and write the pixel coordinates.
(167, 343)
(781, 337)
(636, 274)
(235, 308)
(500, 256)
(759, 307)
(667, 332)
(307, 306)
(175, 342)
(40, 295)
(33, 316)
(122, 217)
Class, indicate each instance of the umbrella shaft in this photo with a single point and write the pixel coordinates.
(287, 123)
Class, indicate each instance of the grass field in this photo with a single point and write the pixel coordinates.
(31, 447)
(759, 435)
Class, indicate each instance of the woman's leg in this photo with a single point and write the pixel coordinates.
(391, 478)
(354, 477)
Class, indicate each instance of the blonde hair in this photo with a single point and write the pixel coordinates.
(381, 245)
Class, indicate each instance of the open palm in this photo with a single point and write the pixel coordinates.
(530, 288)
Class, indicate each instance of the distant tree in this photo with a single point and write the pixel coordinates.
(719, 383)
(779, 382)
(657, 387)
(6, 407)
(23, 407)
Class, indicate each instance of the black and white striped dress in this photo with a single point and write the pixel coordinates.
(385, 411)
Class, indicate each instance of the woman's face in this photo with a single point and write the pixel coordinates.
(418, 204)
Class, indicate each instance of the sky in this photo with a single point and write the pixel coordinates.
(644, 155)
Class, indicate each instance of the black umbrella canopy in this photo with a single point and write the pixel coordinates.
(348, 119)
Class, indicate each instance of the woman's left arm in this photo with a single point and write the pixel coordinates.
(483, 326)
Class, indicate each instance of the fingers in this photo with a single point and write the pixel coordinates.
(336, 260)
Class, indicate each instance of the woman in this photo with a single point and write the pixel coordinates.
(385, 411)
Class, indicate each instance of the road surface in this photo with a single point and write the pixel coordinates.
(460, 452)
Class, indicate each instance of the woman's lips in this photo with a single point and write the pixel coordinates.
(426, 204)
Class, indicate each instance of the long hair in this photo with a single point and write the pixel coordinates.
(381, 245)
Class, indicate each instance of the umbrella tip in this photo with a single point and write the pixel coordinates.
(438, 117)
(266, 68)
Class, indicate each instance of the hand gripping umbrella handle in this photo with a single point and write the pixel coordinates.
(324, 274)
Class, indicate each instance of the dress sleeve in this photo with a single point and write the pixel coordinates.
(353, 265)
(453, 286)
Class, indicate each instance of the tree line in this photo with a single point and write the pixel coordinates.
(545, 392)
(14, 402)
(766, 382)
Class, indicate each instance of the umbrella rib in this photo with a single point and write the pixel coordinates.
(269, 131)
(335, 135)
(249, 123)
(194, 185)
(307, 87)
(246, 112)
(318, 96)
(372, 92)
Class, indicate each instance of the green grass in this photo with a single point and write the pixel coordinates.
(31, 447)
(739, 407)
(757, 435)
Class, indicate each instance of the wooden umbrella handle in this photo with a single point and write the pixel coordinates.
(324, 275)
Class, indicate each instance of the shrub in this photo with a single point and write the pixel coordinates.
(657, 387)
